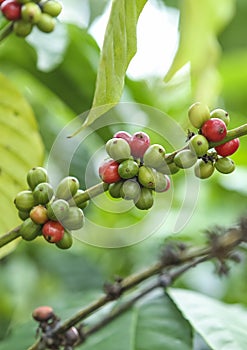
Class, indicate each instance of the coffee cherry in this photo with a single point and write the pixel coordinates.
(185, 159)
(115, 189)
(128, 169)
(199, 145)
(139, 143)
(53, 231)
(228, 148)
(108, 171)
(78, 200)
(198, 114)
(214, 129)
(43, 313)
(67, 188)
(30, 230)
(46, 23)
(162, 182)
(221, 114)
(22, 28)
(39, 214)
(36, 176)
(31, 12)
(24, 200)
(74, 220)
(43, 193)
(203, 170)
(146, 177)
(11, 9)
(58, 209)
(154, 156)
(145, 200)
(118, 149)
(23, 215)
(52, 8)
(130, 190)
(122, 135)
(66, 242)
(225, 165)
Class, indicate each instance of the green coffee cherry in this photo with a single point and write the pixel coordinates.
(115, 189)
(185, 159)
(66, 242)
(36, 176)
(130, 190)
(46, 23)
(24, 200)
(220, 114)
(203, 170)
(118, 149)
(31, 12)
(58, 209)
(225, 165)
(23, 215)
(161, 182)
(128, 169)
(145, 200)
(74, 220)
(154, 156)
(52, 8)
(67, 188)
(22, 28)
(78, 200)
(146, 177)
(198, 114)
(199, 145)
(43, 193)
(30, 230)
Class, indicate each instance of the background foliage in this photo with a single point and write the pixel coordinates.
(57, 78)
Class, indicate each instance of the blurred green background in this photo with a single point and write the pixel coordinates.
(57, 77)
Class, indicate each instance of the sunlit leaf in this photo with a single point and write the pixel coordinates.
(222, 326)
(21, 149)
(118, 49)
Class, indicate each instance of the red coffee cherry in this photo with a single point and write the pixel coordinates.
(11, 9)
(123, 135)
(53, 231)
(228, 148)
(139, 143)
(108, 171)
(43, 313)
(214, 129)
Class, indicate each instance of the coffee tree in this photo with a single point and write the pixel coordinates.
(122, 199)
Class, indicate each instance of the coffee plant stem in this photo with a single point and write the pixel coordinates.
(9, 236)
(6, 31)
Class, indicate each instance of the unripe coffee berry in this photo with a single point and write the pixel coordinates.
(46, 23)
(225, 165)
(162, 182)
(52, 8)
(228, 148)
(66, 242)
(203, 170)
(145, 200)
(154, 156)
(24, 200)
(43, 193)
(214, 130)
(108, 171)
(67, 188)
(118, 149)
(130, 190)
(74, 220)
(128, 169)
(36, 176)
(185, 159)
(221, 114)
(139, 143)
(199, 145)
(146, 177)
(11, 9)
(31, 12)
(53, 231)
(39, 214)
(43, 313)
(198, 114)
(22, 28)
(115, 189)
(123, 135)
(29, 230)
(58, 209)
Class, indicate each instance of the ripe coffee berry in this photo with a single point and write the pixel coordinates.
(139, 143)
(228, 148)
(214, 129)
(43, 313)
(123, 135)
(108, 171)
(11, 9)
(53, 231)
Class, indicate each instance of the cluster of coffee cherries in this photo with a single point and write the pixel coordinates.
(48, 213)
(200, 153)
(48, 321)
(26, 14)
(135, 168)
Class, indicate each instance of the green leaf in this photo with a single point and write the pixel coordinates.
(21, 149)
(154, 323)
(118, 49)
(223, 326)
